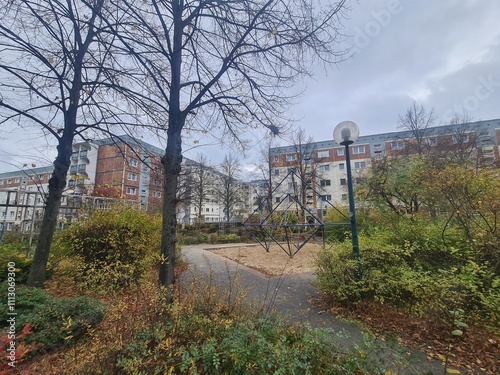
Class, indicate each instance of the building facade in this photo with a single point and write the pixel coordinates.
(128, 169)
(120, 168)
(321, 165)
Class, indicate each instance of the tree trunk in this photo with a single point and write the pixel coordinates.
(172, 161)
(57, 184)
(172, 168)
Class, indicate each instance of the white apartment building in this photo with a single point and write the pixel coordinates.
(323, 163)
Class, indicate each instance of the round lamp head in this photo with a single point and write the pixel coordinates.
(346, 132)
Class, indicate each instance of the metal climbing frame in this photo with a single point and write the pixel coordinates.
(290, 223)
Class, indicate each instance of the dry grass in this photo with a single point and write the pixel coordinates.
(276, 261)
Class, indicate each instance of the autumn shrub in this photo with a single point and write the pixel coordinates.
(427, 244)
(15, 251)
(395, 272)
(211, 331)
(212, 238)
(15, 354)
(113, 247)
(188, 240)
(229, 238)
(53, 321)
(384, 274)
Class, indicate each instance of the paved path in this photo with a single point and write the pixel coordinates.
(289, 295)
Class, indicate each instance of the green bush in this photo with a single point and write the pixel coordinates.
(196, 343)
(229, 238)
(202, 238)
(55, 321)
(213, 238)
(15, 251)
(188, 240)
(395, 275)
(115, 246)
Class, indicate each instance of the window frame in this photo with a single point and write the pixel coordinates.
(324, 168)
(321, 154)
(360, 164)
(131, 191)
(358, 149)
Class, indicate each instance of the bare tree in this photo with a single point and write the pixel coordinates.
(199, 177)
(228, 189)
(263, 172)
(417, 120)
(461, 143)
(223, 68)
(304, 164)
(304, 151)
(57, 75)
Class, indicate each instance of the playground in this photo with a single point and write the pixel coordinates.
(276, 261)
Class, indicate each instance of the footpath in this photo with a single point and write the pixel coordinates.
(289, 295)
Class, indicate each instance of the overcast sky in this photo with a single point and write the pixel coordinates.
(442, 54)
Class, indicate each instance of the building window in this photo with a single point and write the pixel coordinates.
(324, 183)
(276, 172)
(157, 182)
(41, 177)
(397, 145)
(132, 177)
(326, 197)
(1, 182)
(156, 194)
(276, 158)
(207, 209)
(12, 213)
(324, 154)
(378, 145)
(324, 168)
(81, 167)
(359, 165)
(431, 141)
(460, 138)
(9, 181)
(342, 166)
(277, 199)
(344, 197)
(358, 150)
(340, 152)
(291, 157)
(131, 191)
(133, 162)
(343, 182)
(17, 180)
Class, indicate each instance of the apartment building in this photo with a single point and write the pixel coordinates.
(22, 196)
(115, 168)
(321, 165)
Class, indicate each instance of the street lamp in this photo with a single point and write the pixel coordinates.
(345, 134)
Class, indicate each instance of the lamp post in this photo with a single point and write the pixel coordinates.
(345, 134)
